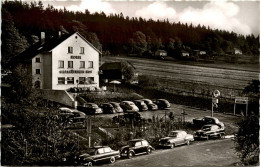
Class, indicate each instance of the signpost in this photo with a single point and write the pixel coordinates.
(215, 95)
(241, 100)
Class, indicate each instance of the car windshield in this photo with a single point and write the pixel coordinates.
(173, 134)
(91, 151)
(131, 143)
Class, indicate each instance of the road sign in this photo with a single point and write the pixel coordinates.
(216, 93)
(214, 100)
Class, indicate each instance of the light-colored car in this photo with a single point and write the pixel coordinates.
(90, 108)
(175, 138)
(150, 104)
(129, 106)
(141, 105)
(64, 111)
(199, 122)
(117, 107)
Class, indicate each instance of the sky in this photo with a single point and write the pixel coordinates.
(239, 16)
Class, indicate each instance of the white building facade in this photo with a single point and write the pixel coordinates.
(72, 63)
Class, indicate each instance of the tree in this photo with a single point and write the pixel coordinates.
(13, 43)
(247, 140)
(127, 71)
(139, 42)
(252, 87)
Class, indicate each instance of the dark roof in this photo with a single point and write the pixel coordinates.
(114, 65)
(45, 47)
(111, 66)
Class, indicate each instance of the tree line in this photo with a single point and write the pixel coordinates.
(114, 33)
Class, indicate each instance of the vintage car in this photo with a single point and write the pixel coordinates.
(90, 108)
(117, 107)
(136, 147)
(209, 131)
(141, 105)
(150, 104)
(108, 108)
(175, 138)
(64, 111)
(199, 122)
(162, 104)
(97, 154)
(128, 118)
(129, 106)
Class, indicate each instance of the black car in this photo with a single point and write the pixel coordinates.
(199, 122)
(162, 104)
(90, 108)
(136, 147)
(141, 105)
(108, 108)
(209, 131)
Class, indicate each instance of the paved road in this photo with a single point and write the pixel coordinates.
(202, 153)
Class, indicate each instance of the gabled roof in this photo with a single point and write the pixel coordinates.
(46, 47)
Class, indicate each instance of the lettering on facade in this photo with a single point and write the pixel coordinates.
(75, 57)
(74, 71)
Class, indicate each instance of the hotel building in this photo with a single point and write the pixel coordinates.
(63, 63)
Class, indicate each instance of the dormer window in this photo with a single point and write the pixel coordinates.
(70, 49)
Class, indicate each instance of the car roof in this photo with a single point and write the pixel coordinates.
(127, 101)
(97, 147)
(162, 99)
(138, 100)
(178, 131)
(64, 108)
(136, 140)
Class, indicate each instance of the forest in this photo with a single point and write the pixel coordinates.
(115, 33)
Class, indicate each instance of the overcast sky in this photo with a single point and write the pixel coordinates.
(239, 16)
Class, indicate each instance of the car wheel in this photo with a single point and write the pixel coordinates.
(112, 160)
(90, 164)
(188, 142)
(172, 146)
(130, 155)
(149, 151)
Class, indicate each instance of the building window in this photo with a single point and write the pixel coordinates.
(38, 71)
(82, 64)
(37, 60)
(82, 50)
(61, 64)
(70, 64)
(61, 80)
(70, 49)
(90, 80)
(70, 80)
(90, 64)
(82, 80)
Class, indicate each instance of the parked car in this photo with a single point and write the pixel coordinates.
(117, 107)
(141, 105)
(175, 138)
(127, 118)
(209, 131)
(78, 114)
(90, 108)
(128, 106)
(162, 104)
(136, 147)
(150, 104)
(98, 154)
(199, 122)
(64, 111)
(108, 108)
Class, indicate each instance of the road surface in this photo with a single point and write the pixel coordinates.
(200, 153)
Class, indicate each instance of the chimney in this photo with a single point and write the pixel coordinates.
(42, 37)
